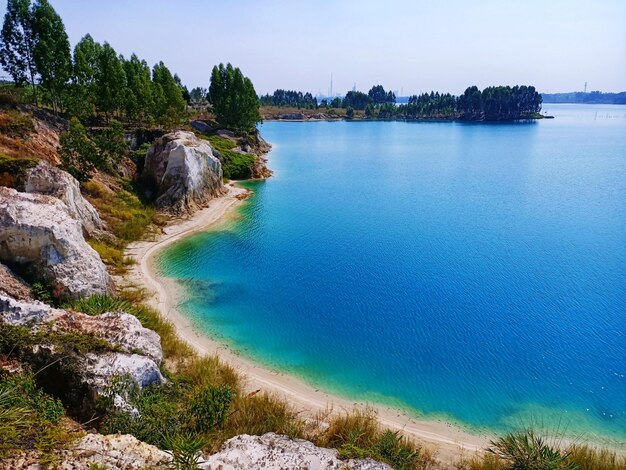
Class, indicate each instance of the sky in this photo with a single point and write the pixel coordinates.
(409, 46)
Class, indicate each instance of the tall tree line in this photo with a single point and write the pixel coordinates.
(94, 80)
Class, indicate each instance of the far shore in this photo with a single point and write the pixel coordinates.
(450, 441)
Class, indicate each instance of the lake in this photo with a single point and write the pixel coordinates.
(464, 271)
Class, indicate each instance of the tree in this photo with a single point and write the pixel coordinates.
(378, 95)
(168, 95)
(51, 51)
(17, 44)
(350, 112)
(356, 100)
(79, 154)
(110, 81)
(81, 99)
(234, 100)
(138, 96)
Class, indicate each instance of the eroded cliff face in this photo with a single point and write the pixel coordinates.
(52, 181)
(39, 234)
(183, 173)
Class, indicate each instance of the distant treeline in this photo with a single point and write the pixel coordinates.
(497, 103)
(295, 99)
(594, 97)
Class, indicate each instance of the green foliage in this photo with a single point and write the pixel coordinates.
(356, 100)
(111, 145)
(51, 51)
(350, 112)
(168, 96)
(79, 154)
(16, 166)
(378, 95)
(209, 407)
(17, 43)
(98, 304)
(18, 339)
(185, 450)
(234, 100)
(16, 124)
(358, 435)
(42, 292)
(29, 418)
(289, 98)
(530, 451)
(236, 166)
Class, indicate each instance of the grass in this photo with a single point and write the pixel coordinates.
(15, 123)
(30, 419)
(528, 450)
(357, 435)
(12, 170)
(127, 217)
(236, 165)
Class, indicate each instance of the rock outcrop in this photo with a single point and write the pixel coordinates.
(52, 181)
(137, 350)
(38, 233)
(275, 452)
(12, 285)
(183, 172)
(201, 126)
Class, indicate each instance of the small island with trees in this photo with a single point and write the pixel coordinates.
(495, 103)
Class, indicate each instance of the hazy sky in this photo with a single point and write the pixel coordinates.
(412, 46)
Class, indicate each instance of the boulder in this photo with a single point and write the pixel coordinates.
(118, 328)
(52, 181)
(275, 452)
(113, 452)
(201, 126)
(39, 234)
(99, 370)
(183, 171)
(226, 133)
(292, 116)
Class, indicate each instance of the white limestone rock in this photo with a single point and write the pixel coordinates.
(99, 370)
(275, 452)
(118, 328)
(114, 452)
(52, 181)
(37, 231)
(184, 171)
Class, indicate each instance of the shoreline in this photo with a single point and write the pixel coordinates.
(450, 441)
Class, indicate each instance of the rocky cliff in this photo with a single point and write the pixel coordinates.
(49, 180)
(182, 172)
(40, 236)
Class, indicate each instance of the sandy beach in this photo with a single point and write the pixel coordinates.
(449, 440)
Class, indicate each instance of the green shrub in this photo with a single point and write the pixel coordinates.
(185, 450)
(237, 166)
(29, 418)
(209, 407)
(530, 451)
(100, 303)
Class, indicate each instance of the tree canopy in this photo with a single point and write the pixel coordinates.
(234, 101)
(295, 99)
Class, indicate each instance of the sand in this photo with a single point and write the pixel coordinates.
(450, 441)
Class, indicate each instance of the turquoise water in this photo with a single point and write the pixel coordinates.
(475, 272)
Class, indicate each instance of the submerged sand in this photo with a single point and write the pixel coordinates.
(450, 441)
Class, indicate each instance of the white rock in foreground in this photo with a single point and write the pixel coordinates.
(38, 231)
(115, 452)
(184, 172)
(100, 369)
(275, 452)
(49, 180)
